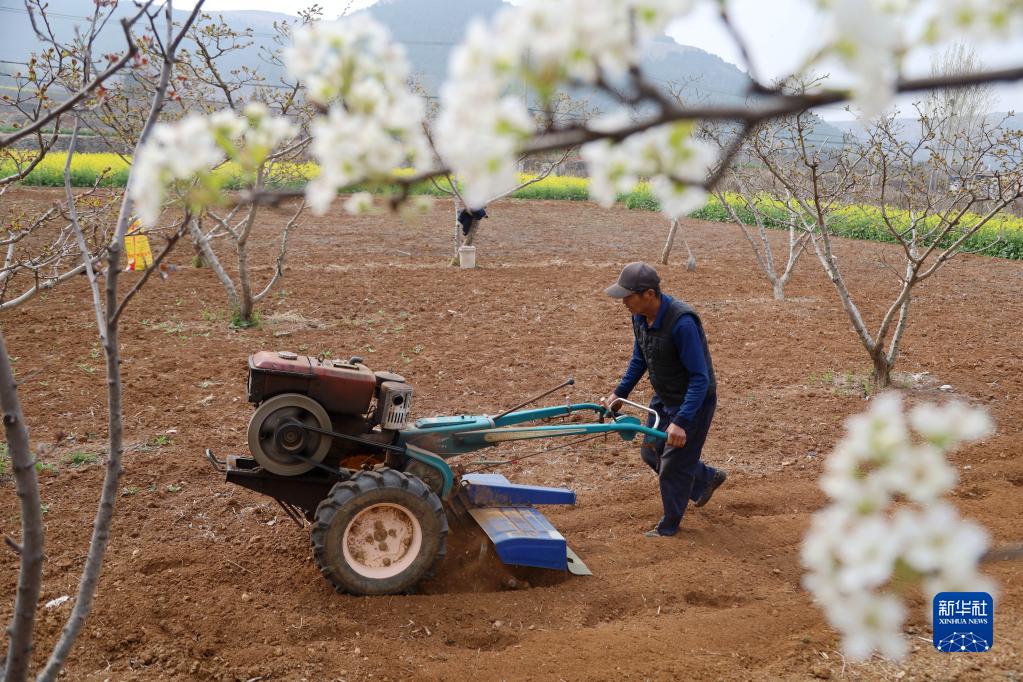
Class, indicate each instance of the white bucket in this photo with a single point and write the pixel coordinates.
(467, 256)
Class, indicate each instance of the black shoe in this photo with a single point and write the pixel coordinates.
(654, 533)
(715, 483)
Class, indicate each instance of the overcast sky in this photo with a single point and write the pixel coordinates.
(778, 32)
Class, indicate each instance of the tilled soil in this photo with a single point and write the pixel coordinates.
(204, 580)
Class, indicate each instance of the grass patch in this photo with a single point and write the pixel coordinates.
(843, 383)
(80, 457)
(239, 322)
(45, 467)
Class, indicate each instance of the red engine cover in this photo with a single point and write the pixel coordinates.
(338, 386)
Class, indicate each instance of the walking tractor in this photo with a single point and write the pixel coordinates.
(330, 440)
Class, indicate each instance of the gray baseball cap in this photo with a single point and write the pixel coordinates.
(635, 277)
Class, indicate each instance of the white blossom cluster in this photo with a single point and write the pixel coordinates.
(174, 151)
(887, 523)
(373, 124)
(616, 168)
(193, 146)
(866, 35)
(250, 138)
(982, 19)
(871, 37)
(545, 44)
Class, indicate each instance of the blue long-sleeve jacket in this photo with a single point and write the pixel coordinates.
(686, 337)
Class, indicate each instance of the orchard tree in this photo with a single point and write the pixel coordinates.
(749, 193)
(814, 185)
(673, 231)
(283, 109)
(53, 88)
(959, 111)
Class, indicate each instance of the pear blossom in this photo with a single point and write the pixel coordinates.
(358, 203)
(820, 548)
(867, 38)
(974, 18)
(870, 37)
(193, 146)
(866, 554)
(263, 132)
(921, 473)
(547, 45)
(333, 57)
(856, 543)
(372, 123)
(873, 622)
(674, 161)
(950, 423)
(937, 539)
(174, 151)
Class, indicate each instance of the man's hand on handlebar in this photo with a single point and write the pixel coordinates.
(676, 436)
(611, 400)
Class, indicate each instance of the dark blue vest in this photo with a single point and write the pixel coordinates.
(668, 375)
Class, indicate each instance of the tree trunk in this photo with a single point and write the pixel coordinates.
(198, 259)
(19, 652)
(211, 259)
(244, 312)
(457, 236)
(779, 289)
(668, 244)
(470, 238)
(108, 497)
(245, 304)
(882, 369)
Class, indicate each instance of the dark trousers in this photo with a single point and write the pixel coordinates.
(681, 474)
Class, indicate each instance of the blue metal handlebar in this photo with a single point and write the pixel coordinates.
(433, 440)
(456, 435)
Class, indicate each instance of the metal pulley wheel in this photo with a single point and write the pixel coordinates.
(275, 433)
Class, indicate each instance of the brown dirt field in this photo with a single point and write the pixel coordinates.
(207, 581)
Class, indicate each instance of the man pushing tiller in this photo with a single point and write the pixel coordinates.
(670, 345)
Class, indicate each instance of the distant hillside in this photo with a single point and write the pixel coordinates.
(911, 130)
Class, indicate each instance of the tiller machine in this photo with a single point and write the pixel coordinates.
(330, 441)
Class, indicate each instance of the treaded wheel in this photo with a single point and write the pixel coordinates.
(379, 533)
(264, 423)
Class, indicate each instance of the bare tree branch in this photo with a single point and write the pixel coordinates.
(71, 102)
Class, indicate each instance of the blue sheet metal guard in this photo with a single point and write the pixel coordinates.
(521, 535)
(492, 490)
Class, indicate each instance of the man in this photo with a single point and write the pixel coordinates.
(671, 346)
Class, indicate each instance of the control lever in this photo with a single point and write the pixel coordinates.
(568, 382)
(614, 415)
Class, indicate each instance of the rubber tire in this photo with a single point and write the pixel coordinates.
(342, 505)
(295, 467)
